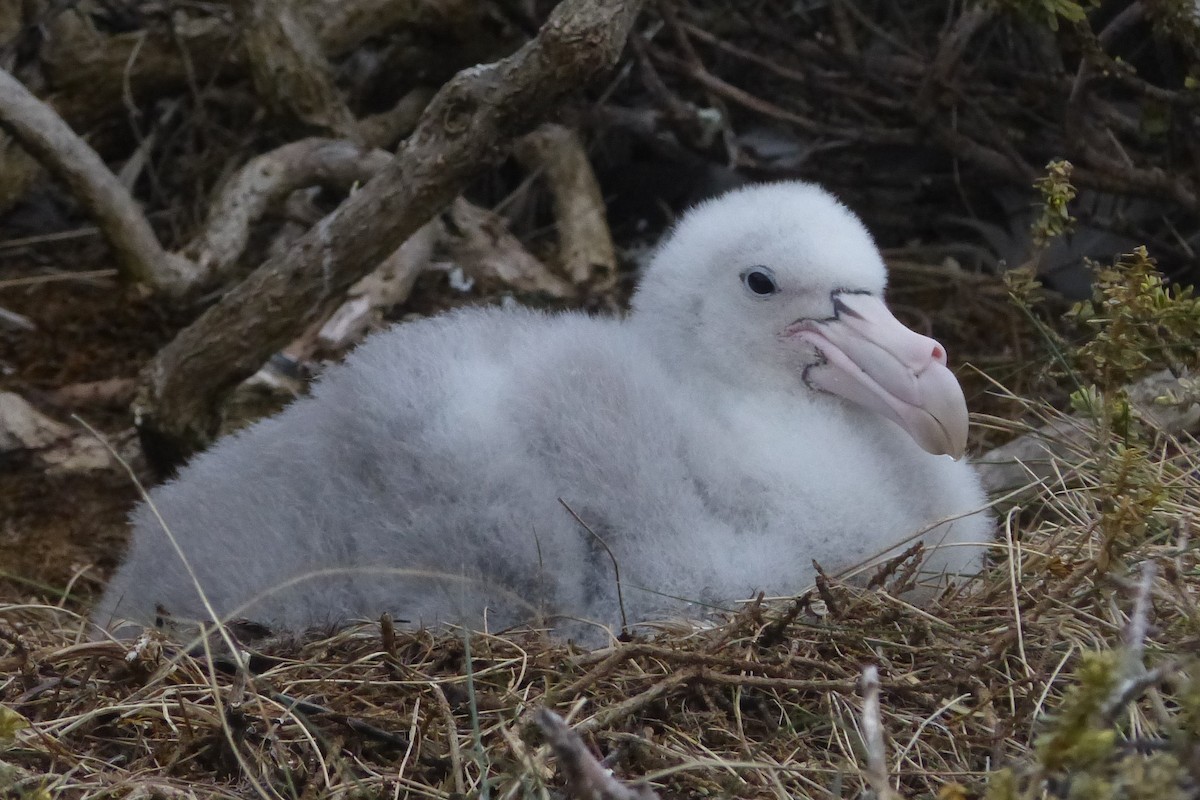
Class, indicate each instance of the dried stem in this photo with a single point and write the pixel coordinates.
(586, 778)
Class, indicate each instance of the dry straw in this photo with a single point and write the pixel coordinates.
(766, 703)
(1066, 670)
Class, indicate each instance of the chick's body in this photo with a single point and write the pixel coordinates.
(438, 473)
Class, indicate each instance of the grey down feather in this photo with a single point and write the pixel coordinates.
(758, 409)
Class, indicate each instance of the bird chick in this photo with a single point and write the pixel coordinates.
(758, 409)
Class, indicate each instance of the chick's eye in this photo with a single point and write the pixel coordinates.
(760, 281)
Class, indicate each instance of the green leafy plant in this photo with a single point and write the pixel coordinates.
(1057, 192)
(1080, 755)
(1049, 12)
(1136, 323)
(1133, 323)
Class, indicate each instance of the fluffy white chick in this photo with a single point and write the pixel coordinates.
(758, 409)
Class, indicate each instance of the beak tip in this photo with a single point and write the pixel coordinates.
(956, 448)
(941, 431)
(958, 443)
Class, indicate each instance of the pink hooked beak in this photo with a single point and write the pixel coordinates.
(873, 360)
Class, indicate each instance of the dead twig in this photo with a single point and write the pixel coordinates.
(738, 96)
(44, 134)
(15, 321)
(54, 446)
(478, 240)
(355, 724)
(290, 72)
(1135, 678)
(389, 285)
(611, 557)
(264, 183)
(586, 778)
(872, 733)
(113, 392)
(585, 247)
(341, 26)
(386, 128)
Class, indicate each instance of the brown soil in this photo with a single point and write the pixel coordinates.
(68, 531)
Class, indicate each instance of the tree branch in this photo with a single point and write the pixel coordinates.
(479, 241)
(51, 141)
(264, 183)
(291, 74)
(585, 247)
(55, 447)
(460, 133)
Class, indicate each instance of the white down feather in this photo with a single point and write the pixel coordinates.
(423, 477)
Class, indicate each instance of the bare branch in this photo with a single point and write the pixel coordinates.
(386, 128)
(389, 285)
(872, 733)
(54, 446)
(15, 321)
(1135, 679)
(44, 134)
(290, 72)
(88, 71)
(112, 393)
(585, 245)
(476, 240)
(460, 133)
(479, 241)
(950, 51)
(265, 182)
(342, 25)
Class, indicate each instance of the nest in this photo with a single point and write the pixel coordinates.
(1060, 670)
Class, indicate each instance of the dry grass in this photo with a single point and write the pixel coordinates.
(1025, 668)
(765, 704)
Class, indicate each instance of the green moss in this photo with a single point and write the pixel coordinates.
(1001, 785)
(1074, 739)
